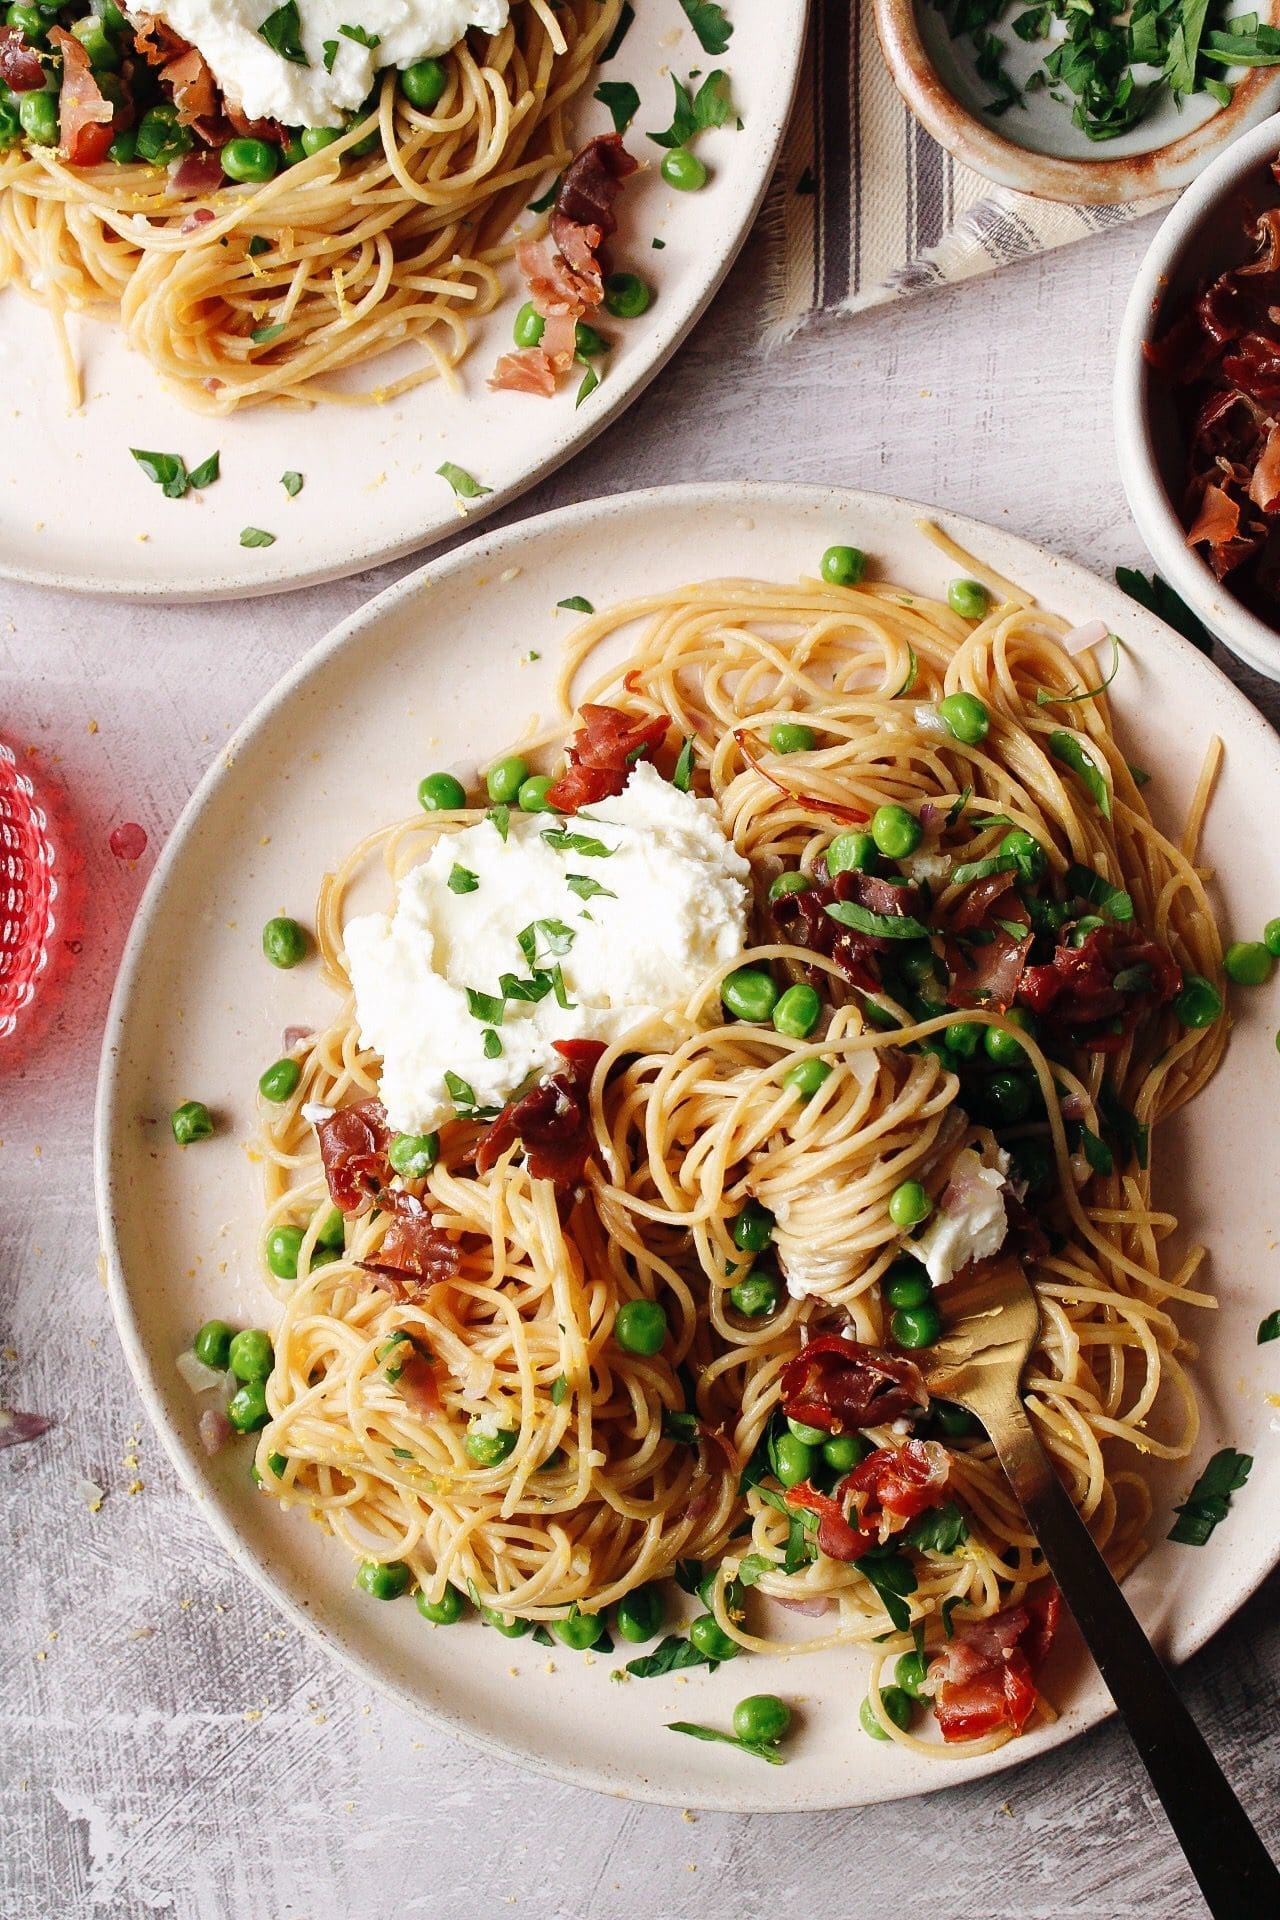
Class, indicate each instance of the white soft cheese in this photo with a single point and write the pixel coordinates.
(973, 1229)
(266, 86)
(678, 911)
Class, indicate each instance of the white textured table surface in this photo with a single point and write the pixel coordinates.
(167, 1748)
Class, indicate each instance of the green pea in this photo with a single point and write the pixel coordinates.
(638, 1615)
(791, 736)
(806, 1076)
(29, 21)
(1003, 1047)
(486, 1448)
(371, 140)
(280, 1081)
(812, 1436)
(896, 832)
(251, 1355)
(762, 1719)
(906, 1284)
(578, 1630)
(1199, 1004)
(968, 598)
(587, 343)
(505, 779)
(412, 1155)
(212, 1345)
(384, 1579)
(532, 797)
(1033, 1162)
(313, 140)
(38, 115)
(909, 1204)
(707, 1588)
(292, 152)
(284, 942)
(963, 1038)
(1271, 938)
(896, 1704)
(96, 42)
(917, 963)
(749, 993)
(192, 1120)
(797, 1012)
(445, 1611)
(844, 1451)
(843, 566)
(640, 1326)
(626, 295)
(1088, 923)
(792, 881)
(1027, 851)
(1009, 1098)
(916, 1326)
(965, 718)
(423, 83)
(510, 1625)
(756, 1295)
(529, 326)
(752, 1228)
(441, 793)
(1248, 962)
(161, 136)
(683, 170)
(850, 853)
(10, 124)
(792, 1459)
(284, 1244)
(911, 1672)
(956, 1422)
(123, 148)
(710, 1638)
(247, 1407)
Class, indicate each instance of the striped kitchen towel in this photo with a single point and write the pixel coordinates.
(869, 208)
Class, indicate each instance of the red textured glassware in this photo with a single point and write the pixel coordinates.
(29, 885)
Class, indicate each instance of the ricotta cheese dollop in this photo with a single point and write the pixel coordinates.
(971, 1223)
(266, 86)
(635, 905)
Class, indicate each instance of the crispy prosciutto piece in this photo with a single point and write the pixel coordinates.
(1076, 994)
(529, 370)
(84, 114)
(590, 186)
(353, 1151)
(984, 1678)
(802, 918)
(836, 1538)
(985, 971)
(552, 1121)
(192, 86)
(199, 171)
(841, 1385)
(21, 68)
(418, 1384)
(602, 754)
(415, 1255)
(894, 1484)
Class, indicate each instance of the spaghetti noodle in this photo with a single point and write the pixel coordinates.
(1036, 866)
(274, 293)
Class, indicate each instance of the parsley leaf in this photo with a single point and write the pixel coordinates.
(292, 483)
(761, 1748)
(206, 473)
(501, 818)
(560, 840)
(362, 36)
(590, 381)
(282, 31)
(1269, 1329)
(559, 1389)
(330, 54)
(1066, 748)
(576, 604)
(708, 21)
(1209, 1501)
(586, 888)
(671, 1655)
(168, 470)
(938, 1530)
(683, 773)
(464, 484)
(622, 101)
(491, 1043)
(711, 106)
(1159, 598)
(884, 926)
(462, 880)
(620, 32)
(263, 336)
(256, 537)
(485, 1006)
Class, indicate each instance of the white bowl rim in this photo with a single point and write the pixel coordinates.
(1241, 631)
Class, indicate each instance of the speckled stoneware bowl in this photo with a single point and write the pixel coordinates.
(1035, 148)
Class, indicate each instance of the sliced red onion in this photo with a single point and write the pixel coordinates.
(214, 1429)
(196, 1376)
(929, 815)
(1080, 639)
(814, 1608)
(15, 1428)
(90, 1492)
(929, 720)
(1072, 1108)
(294, 1036)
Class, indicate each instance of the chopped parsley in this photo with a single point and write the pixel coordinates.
(1209, 1501)
(362, 36)
(282, 31)
(694, 113)
(586, 888)
(884, 926)
(169, 472)
(1066, 748)
(708, 21)
(622, 101)
(462, 880)
(491, 1043)
(939, 1530)
(590, 381)
(576, 604)
(762, 1749)
(671, 1655)
(1046, 699)
(620, 32)
(501, 819)
(463, 1096)
(258, 244)
(683, 773)
(560, 840)
(1159, 598)
(292, 483)
(553, 934)
(256, 537)
(1269, 1329)
(485, 1006)
(464, 484)
(263, 336)
(559, 1390)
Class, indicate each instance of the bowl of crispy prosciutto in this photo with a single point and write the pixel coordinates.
(1197, 398)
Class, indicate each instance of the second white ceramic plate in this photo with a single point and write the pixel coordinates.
(76, 512)
(437, 672)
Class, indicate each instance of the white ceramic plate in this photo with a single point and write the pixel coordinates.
(430, 674)
(77, 513)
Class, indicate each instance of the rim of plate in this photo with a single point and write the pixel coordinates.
(750, 496)
(787, 58)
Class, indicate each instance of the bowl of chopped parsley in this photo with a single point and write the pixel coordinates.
(1116, 100)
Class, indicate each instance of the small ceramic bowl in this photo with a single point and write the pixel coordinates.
(1202, 236)
(1034, 148)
